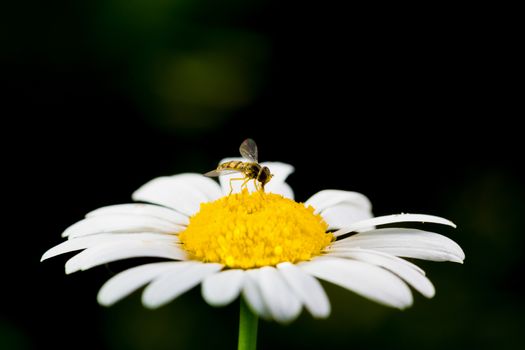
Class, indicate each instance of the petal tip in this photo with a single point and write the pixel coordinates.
(104, 301)
(428, 292)
(148, 304)
(459, 257)
(71, 267)
(322, 315)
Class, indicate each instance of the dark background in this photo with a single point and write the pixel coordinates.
(412, 106)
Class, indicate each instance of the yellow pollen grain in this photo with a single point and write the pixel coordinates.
(248, 230)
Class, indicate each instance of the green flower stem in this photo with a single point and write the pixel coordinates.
(247, 328)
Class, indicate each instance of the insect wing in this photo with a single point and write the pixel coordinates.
(215, 173)
(249, 151)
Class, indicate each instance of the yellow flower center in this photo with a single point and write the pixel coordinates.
(247, 230)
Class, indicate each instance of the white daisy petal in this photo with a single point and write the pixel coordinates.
(142, 209)
(400, 267)
(204, 184)
(341, 208)
(364, 279)
(108, 252)
(173, 283)
(120, 223)
(307, 288)
(409, 243)
(126, 282)
(92, 240)
(391, 219)
(425, 253)
(284, 306)
(178, 192)
(281, 188)
(328, 198)
(337, 250)
(344, 215)
(222, 288)
(277, 184)
(252, 294)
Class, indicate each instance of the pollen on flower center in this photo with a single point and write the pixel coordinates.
(248, 230)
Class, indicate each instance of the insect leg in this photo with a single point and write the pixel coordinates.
(245, 182)
(234, 179)
(260, 188)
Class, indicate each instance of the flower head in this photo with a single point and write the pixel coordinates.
(263, 246)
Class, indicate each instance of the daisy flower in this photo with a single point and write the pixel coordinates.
(262, 246)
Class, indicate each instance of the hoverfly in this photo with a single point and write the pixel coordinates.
(251, 169)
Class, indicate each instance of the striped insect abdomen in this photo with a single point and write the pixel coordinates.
(232, 165)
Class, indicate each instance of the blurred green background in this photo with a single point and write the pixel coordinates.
(412, 106)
